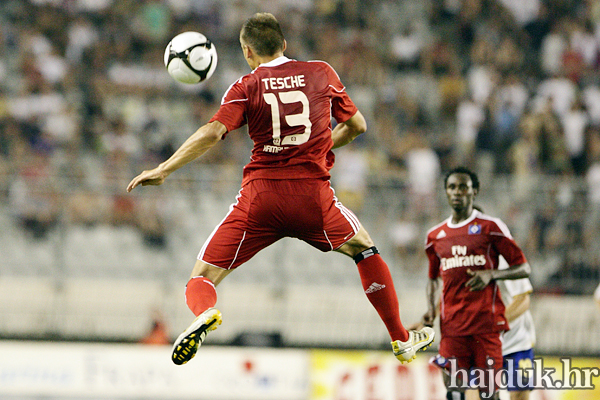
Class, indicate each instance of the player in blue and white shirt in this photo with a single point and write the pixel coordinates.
(518, 342)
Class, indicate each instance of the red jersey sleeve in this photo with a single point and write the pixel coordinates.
(342, 107)
(232, 112)
(509, 249)
(505, 245)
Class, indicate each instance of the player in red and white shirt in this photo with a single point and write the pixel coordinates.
(464, 252)
(288, 106)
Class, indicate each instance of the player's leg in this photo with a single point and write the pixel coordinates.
(201, 297)
(455, 360)
(520, 395)
(461, 394)
(458, 392)
(377, 281)
(456, 389)
(379, 287)
(519, 366)
(200, 291)
(471, 394)
(487, 349)
(232, 243)
(346, 235)
(235, 240)
(494, 396)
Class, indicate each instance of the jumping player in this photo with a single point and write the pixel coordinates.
(464, 252)
(287, 105)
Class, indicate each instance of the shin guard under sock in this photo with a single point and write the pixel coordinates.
(379, 288)
(200, 294)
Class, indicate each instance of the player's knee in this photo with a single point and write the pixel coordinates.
(364, 239)
(361, 241)
(210, 272)
(358, 244)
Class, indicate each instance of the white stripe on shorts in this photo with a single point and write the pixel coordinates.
(352, 219)
(205, 245)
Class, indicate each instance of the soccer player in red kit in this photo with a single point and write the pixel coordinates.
(288, 106)
(464, 252)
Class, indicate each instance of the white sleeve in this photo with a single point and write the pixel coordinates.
(597, 293)
(502, 264)
(515, 287)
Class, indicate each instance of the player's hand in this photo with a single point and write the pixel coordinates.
(480, 279)
(151, 177)
(428, 319)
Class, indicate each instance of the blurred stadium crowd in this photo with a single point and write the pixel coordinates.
(508, 87)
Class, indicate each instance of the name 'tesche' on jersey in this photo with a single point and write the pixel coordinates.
(288, 82)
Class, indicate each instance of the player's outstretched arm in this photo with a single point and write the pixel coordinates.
(347, 131)
(196, 145)
(481, 278)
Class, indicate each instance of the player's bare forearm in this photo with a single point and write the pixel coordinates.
(432, 301)
(517, 307)
(514, 272)
(346, 132)
(196, 145)
(481, 278)
(341, 136)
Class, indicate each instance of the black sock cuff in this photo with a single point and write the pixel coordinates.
(371, 251)
(455, 395)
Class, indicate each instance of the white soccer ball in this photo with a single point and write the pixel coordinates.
(190, 57)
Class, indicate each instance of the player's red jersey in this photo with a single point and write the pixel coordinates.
(452, 249)
(288, 106)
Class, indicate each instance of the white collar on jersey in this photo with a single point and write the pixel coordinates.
(275, 62)
(474, 215)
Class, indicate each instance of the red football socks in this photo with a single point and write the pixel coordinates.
(379, 288)
(200, 294)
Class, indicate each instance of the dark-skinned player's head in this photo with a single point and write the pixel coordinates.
(461, 186)
(463, 170)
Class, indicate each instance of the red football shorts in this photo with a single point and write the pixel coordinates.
(473, 352)
(268, 210)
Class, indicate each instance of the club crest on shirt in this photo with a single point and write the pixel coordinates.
(474, 229)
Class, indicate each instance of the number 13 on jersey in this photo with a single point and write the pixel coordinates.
(301, 119)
